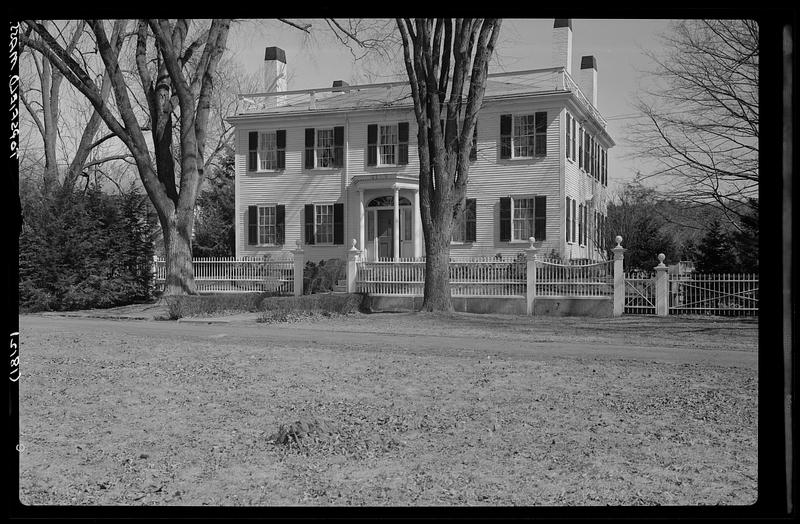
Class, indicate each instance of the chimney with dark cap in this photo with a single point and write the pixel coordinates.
(587, 80)
(562, 43)
(342, 84)
(275, 75)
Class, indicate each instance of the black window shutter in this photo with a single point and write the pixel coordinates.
(573, 221)
(309, 148)
(280, 224)
(309, 223)
(505, 136)
(402, 143)
(473, 152)
(252, 225)
(540, 144)
(567, 135)
(470, 220)
(252, 146)
(505, 219)
(372, 145)
(580, 147)
(280, 142)
(540, 218)
(338, 146)
(338, 223)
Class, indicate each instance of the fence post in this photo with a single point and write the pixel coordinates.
(299, 265)
(619, 278)
(662, 287)
(530, 255)
(352, 267)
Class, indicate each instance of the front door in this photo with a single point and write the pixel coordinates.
(385, 233)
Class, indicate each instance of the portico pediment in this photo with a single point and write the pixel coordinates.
(384, 181)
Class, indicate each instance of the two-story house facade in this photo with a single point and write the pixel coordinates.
(327, 166)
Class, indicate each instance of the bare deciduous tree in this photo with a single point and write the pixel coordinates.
(442, 58)
(701, 125)
(177, 75)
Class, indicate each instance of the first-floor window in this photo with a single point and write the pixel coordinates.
(266, 225)
(323, 223)
(464, 228)
(522, 217)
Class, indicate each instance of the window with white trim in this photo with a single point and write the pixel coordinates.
(324, 147)
(267, 225)
(267, 150)
(523, 136)
(323, 223)
(387, 148)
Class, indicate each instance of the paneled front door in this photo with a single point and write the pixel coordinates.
(385, 233)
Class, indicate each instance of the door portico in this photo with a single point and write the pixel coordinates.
(389, 218)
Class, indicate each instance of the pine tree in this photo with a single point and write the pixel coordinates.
(715, 251)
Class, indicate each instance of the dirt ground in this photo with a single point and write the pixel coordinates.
(422, 410)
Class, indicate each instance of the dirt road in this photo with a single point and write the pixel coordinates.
(427, 336)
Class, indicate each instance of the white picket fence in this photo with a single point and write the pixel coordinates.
(232, 275)
(489, 276)
(713, 294)
(469, 277)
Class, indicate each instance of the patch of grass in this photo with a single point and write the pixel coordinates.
(287, 309)
(200, 305)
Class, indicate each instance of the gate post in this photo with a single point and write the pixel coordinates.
(662, 287)
(299, 266)
(619, 278)
(530, 288)
(352, 267)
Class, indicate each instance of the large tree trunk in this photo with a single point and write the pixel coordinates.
(437, 271)
(178, 248)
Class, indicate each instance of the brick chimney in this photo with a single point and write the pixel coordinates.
(587, 80)
(562, 43)
(275, 75)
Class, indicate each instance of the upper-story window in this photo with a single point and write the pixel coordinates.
(523, 136)
(387, 144)
(266, 150)
(324, 147)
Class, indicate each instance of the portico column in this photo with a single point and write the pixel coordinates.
(396, 230)
(361, 236)
(417, 226)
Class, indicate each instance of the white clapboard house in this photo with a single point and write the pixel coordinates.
(329, 165)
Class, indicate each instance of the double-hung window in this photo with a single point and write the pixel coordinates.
(324, 147)
(523, 136)
(464, 229)
(568, 137)
(387, 144)
(324, 223)
(266, 150)
(522, 217)
(266, 224)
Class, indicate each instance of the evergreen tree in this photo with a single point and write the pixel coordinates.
(214, 233)
(715, 253)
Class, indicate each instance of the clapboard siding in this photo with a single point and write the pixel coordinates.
(490, 178)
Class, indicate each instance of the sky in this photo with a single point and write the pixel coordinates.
(617, 45)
